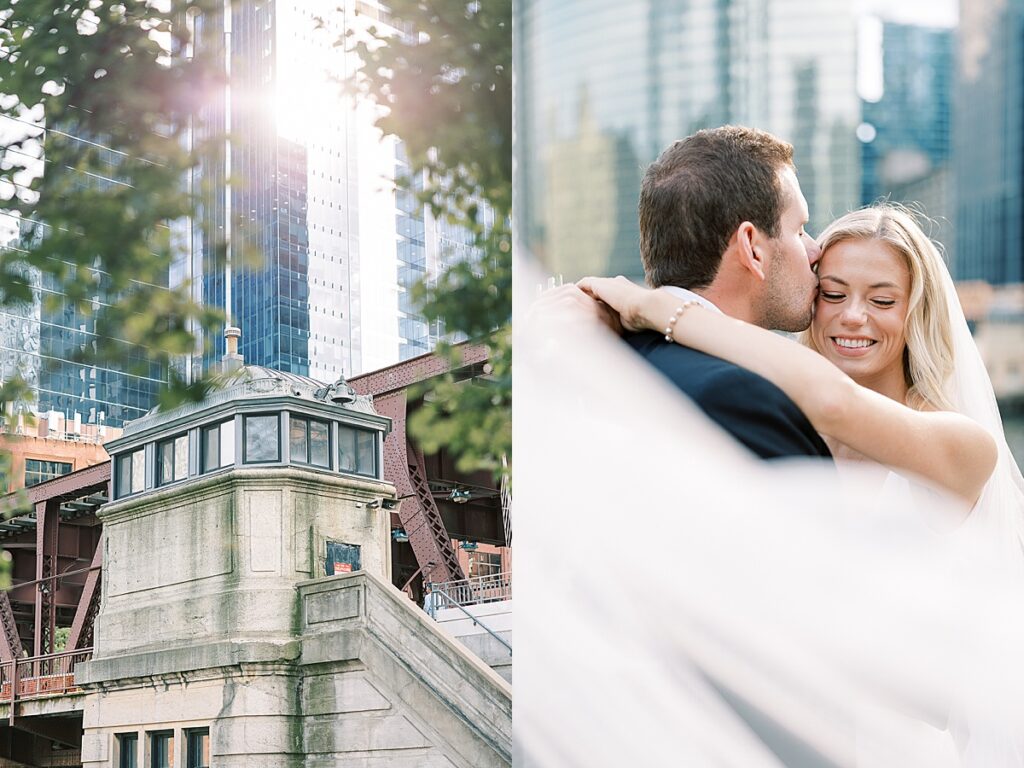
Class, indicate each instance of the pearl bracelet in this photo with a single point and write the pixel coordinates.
(669, 337)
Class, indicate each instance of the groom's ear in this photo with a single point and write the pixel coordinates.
(751, 249)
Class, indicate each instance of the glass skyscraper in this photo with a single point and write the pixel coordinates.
(988, 142)
(605, 86)
(40, 339)
(301, 237)
(414, 330)
(253, 208)
(427, 246)
(906, 132)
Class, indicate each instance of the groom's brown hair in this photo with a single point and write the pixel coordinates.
(698, 192)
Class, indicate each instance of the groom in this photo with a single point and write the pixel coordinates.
(722, 222)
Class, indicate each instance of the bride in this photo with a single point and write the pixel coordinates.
(887, 373)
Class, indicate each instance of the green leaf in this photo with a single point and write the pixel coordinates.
(117, 110)
(447, 87)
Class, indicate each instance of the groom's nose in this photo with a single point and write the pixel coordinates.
(813, 251)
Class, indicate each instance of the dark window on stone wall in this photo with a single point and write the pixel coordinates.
(310, 441)
(128, 750)
(342, 558)
(197, 748)
(262, 439)
(357, 451)
(161, 749)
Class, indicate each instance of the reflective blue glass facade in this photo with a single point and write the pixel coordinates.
(909, 128)
(40, 340)
(99, 395)
(253, 192)
(988, 142)
(298, 205)
(913, 116)
(413, 329)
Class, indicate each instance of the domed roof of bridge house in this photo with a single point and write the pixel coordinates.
(253, 407)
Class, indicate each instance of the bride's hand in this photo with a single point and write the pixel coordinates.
(567, 305)
(629, 300)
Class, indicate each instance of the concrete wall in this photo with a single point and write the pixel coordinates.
(153, 704)
(218, 557)
(210, 620)
(243, 691)
(370, 680)
(251, 711)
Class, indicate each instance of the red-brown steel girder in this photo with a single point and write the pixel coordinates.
(47, 529)
(10, 640)
(45, 500)
(429, 524)
(396, 465)
(420, 516)
(88, 605)
(414, 371)
(72, 486)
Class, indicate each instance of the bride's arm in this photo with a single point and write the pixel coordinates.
(947, 448)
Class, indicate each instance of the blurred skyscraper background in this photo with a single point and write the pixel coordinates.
(609, 85)
(988, 139)
(880, 100)
(906, 129)
(988, 163)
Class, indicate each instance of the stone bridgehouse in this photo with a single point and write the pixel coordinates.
(230, 588)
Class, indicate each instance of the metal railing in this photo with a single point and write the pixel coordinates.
(70, 758)
(481, 589)
(444, 598)
(35, 676)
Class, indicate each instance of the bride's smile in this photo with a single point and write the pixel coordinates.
(852, 347)
(860, 318)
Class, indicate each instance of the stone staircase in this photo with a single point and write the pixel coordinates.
(495, 616)
(412, 695)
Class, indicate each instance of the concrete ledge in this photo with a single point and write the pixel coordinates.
(207, 612)
(367, 679)
(227, 481)
(46, 705)
(404, 759)
(341, 645)
(169, 661)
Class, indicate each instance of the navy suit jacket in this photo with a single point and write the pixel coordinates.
(747, 406)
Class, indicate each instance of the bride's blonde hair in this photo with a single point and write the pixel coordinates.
(928, 355)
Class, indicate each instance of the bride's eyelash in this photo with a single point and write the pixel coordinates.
(832, 296)
(884, 302)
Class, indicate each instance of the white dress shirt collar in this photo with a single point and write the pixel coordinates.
(686, 295)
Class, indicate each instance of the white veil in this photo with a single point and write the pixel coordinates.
(681, 603)
(1000, 510)
(997, 524)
